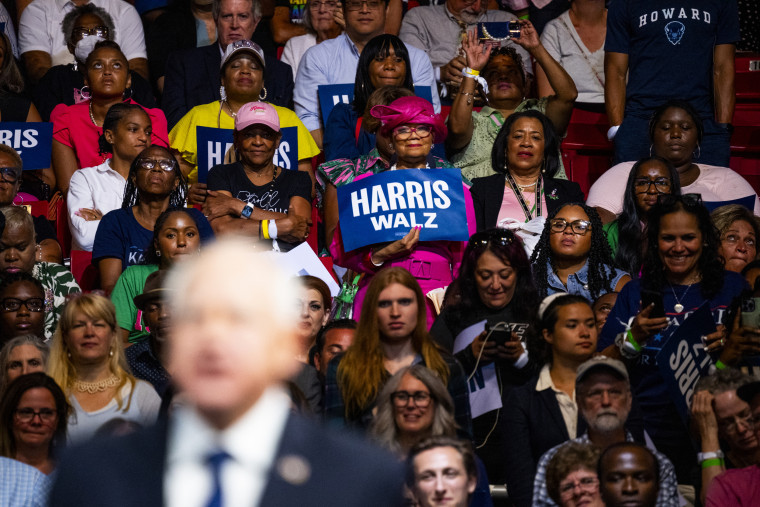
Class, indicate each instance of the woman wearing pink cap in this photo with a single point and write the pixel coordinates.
(411, 127)
(253, 196)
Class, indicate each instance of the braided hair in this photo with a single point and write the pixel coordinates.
(132, 194)
(599, 256)
(630, 236)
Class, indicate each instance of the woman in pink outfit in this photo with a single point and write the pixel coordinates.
(411, 127)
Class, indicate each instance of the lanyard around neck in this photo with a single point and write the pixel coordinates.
(521, 200)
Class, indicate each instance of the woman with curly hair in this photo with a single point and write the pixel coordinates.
(391, 335)
(87, 361)
(573, 255)
(649, 177)
(33, 418)
(154, 184)
(682, 266)
(739, 233)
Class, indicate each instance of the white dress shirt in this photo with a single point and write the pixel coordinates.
(98, 187)
(251, 442)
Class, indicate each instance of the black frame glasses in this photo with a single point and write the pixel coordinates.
(27, 415)
(356, 5)
(661, 185)
(9, 174)
(35, 305)
(404, 132)
(401, 399)
(560, 225)
(102, 31)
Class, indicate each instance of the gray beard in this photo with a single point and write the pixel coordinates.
(607, 423)
(469, 17)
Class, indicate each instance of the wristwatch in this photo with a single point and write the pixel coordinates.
(247, 211)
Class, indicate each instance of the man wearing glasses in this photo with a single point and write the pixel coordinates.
(603, 394)
(334, 61)
(438, 30)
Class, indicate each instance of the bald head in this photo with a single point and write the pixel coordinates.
(233, 333)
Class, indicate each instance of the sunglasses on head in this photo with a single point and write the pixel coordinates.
(501, 237)
(687, 199)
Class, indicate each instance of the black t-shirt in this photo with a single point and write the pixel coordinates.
(232, 178)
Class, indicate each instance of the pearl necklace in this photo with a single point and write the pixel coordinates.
(232, 113)
(525, 187)
(96, 387)
(92, 116)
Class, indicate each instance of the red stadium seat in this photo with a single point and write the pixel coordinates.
(747, 80)
(586, 152)
(86, 275)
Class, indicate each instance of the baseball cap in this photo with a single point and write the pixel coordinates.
(599, 362)
(243, 45)
(257, 113)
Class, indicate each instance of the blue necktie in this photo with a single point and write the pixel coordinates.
(215, 462)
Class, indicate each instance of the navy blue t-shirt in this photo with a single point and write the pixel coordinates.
(120, 235)
(660, 416)
(670, 49)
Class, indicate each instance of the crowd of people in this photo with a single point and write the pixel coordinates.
(553, 353)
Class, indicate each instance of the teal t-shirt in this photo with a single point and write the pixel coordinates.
(130, 284)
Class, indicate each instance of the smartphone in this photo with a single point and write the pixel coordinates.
(648, 297)
(501, 332)
(751, 312)
(495, 31)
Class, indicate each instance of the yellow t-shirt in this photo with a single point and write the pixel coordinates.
(182, 137)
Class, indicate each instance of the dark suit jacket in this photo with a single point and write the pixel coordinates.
(488, 193)
(128, 471)
(533, 424)
(192, 79)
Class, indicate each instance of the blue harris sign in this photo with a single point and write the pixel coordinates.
(32, 141)
(213, 145)
(384, 207)
(683, 359)
(333, 94)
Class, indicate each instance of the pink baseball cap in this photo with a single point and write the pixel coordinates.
(257, 113)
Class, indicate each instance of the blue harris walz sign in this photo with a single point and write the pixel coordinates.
(384, 207)
(213, 144)
(32, 141)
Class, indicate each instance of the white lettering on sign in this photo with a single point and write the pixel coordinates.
(216, 151)
(19, 139)
(340, 98)
(282, 156)
(405, 220)
(397, 196)
(685, 369)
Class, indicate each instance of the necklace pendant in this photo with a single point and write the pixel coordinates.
(678, 307)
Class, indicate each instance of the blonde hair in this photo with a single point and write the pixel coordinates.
(60, 365)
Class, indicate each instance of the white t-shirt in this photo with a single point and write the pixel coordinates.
(143, 410)
(586, 68)
(40, 28)
(98, 187)
(714, 184)
(295, 48)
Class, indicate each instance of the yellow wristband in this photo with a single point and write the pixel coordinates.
(467, 71)
(265, 229)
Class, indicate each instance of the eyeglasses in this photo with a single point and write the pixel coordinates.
(586, 484)
(404, 133)
(100, 31)
(327, 4)
(27, 415)
(356, 5)
(501, 237)
(579, 227)
(642, 185)
(9, 174)
(149, 164)
(731, 426)
(401, 398)
(32, 304)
